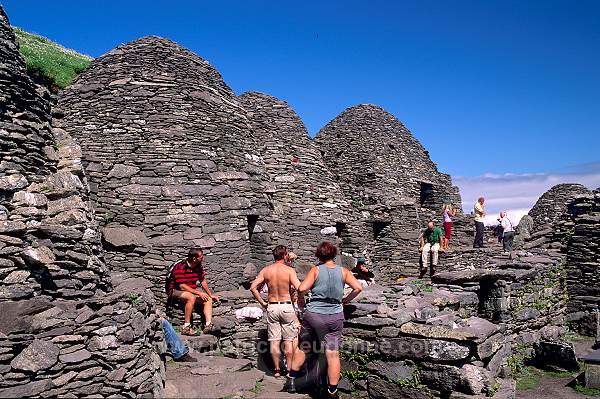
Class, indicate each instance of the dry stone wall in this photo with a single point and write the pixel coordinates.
(171, 159)
(583, 264)
(308, 204)
(548, 222)
(65, 330)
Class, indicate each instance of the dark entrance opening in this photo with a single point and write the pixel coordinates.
(378, 226)
(340, 229)
(426, 193)
(252, 219)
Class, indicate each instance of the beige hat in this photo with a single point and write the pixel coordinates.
(292, 256)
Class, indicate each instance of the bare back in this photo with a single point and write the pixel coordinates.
(279, 278)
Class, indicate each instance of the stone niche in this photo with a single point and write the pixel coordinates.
(171, 160)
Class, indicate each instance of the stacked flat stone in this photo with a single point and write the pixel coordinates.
(171, 160)
(549, 220)
(60, 327)
(308, 204)
(391, 181)
(583, 263)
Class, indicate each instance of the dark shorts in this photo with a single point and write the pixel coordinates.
(327, 328)
(448, 230)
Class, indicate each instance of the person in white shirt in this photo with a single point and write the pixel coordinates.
(479, 211)
(508, 233)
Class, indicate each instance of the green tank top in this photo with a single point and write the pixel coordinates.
(327, 292)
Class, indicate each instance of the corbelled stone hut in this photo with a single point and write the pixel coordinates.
(548, 221)
(389, 178)
(308, 204)
(170, 156)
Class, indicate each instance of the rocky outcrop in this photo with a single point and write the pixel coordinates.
(64, 330)
(171, 159)
(583, 263)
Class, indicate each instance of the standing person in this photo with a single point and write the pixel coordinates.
(183, 286)
(448, 213)
(324, 314)
(508, 234)
(479, 210)
(430, 241)
(282, 323)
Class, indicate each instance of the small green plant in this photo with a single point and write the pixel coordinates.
(491, 392)
(354, 375)
(414, 381)
(579, 387)
(528, 379)
(134, 298)
(421, 285)
(258, 388)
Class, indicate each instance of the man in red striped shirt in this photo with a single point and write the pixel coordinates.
(187, 273)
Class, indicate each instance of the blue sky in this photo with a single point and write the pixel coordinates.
(489, 87)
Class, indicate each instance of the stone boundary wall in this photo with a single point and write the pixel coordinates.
(583, 264)
(63, 332)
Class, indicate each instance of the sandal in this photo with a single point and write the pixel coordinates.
(276, 373)
(188, 331)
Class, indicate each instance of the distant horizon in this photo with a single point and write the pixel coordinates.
(503, 95)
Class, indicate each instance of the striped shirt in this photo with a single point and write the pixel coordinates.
(184, 274)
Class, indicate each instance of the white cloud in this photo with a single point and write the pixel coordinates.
(517, 193)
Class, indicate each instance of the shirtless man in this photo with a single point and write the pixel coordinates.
(282, 323)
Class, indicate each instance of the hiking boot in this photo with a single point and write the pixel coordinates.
(188, 331)
(210, 327)
(186, 359)
(333, 395)
(290, 386)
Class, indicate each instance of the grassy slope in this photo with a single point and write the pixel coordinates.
(49, 62)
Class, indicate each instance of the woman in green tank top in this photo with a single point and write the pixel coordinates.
(324, 314)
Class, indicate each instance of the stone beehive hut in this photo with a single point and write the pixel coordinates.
(169, 153)
(308, 203)
(389, 178)
(60, 325)
(548, 220)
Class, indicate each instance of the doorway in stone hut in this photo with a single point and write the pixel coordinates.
(426, 194)
(383, 246)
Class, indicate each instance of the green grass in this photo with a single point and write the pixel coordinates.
(528, 379)
(53, 65)
(579, 387)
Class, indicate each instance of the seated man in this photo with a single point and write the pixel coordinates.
(282, 323)
(183, 287)
(431, 240)
(362, 274)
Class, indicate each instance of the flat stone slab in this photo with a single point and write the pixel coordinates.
(208, 365)
(211, 386)
(593, 357)
(201, 343)
(472, 329)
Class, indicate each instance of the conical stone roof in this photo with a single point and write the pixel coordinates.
(169, 150)
(379, 160)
